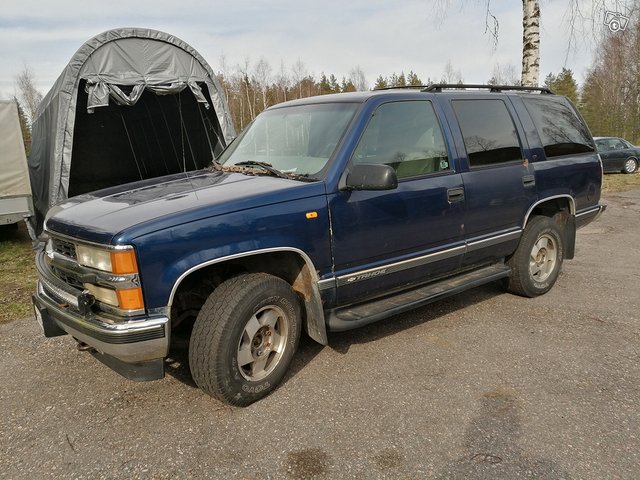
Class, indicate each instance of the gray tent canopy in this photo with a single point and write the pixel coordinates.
(131, 104)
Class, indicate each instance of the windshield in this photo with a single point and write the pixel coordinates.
(296, 140)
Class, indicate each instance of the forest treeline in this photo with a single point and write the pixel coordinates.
(251, 88)
(609, 98)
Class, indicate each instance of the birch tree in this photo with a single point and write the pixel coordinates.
(262, 75)
(248, 89)
(504, 74)
(530, 43)
(451, 75)
(282, 82)
(358, 79)
(299, 72)
(28, 95)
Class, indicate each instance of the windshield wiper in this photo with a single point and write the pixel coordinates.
(264, 165)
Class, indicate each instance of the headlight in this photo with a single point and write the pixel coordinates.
(119, 262)
(94, 257)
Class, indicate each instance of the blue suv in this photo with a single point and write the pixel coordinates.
(325, 214)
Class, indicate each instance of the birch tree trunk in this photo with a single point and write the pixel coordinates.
(530, 43)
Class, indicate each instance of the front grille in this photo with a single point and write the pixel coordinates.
(57, 293)
(65, 248)
(67, 277)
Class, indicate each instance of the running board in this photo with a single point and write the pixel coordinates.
(354, 316)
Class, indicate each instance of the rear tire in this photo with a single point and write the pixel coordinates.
(536, 263)
(244, 338)
(630, 165)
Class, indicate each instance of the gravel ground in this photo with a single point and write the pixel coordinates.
(484, 385)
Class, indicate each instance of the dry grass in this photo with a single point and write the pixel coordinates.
(17, 273)
(618, 182)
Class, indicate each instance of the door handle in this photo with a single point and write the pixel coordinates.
(529, 180)
(455, 194)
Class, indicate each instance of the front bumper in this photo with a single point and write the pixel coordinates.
(133, 340)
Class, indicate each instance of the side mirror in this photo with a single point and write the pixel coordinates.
(368, 176)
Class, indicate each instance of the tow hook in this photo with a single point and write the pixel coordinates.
(83, 347)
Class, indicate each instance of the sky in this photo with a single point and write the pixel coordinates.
(329, 36)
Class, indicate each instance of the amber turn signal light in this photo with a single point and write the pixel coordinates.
(130, 299)
(124, 262)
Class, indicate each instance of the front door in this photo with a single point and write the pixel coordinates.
(385, 240)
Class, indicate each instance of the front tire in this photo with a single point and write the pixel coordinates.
(630, 165)
(244, 338)
(536, 263)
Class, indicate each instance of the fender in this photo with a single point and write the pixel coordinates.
(570, 225)
(314, 318)
(572, 206)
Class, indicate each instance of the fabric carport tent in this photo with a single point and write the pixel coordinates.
(131, 104)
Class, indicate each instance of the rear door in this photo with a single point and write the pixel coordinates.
(386, 240)
(499, 185)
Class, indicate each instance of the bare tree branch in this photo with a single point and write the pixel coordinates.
(28, 95)
(491, 25)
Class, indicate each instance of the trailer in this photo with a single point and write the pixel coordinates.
(15, 190)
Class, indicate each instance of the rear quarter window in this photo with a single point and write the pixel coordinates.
(561, 131)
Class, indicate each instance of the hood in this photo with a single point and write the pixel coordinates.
(123, 213)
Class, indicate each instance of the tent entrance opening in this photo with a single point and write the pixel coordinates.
(159, 135)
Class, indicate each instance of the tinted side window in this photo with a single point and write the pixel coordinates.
(603, 145)
(489, 133)
(560, 129)
(620, 144)
(406, 136)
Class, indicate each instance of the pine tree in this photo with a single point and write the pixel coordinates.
(381, 82)
(594, 103)
(413, 79)
(563, 84)
(324, 86)
(333, 83)
(347, 86)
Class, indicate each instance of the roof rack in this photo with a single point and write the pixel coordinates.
(438, 87)
(421, 87)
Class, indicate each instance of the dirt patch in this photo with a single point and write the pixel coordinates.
(308, 463)
(388, 459)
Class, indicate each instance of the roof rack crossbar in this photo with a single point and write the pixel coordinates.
(438, 87)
